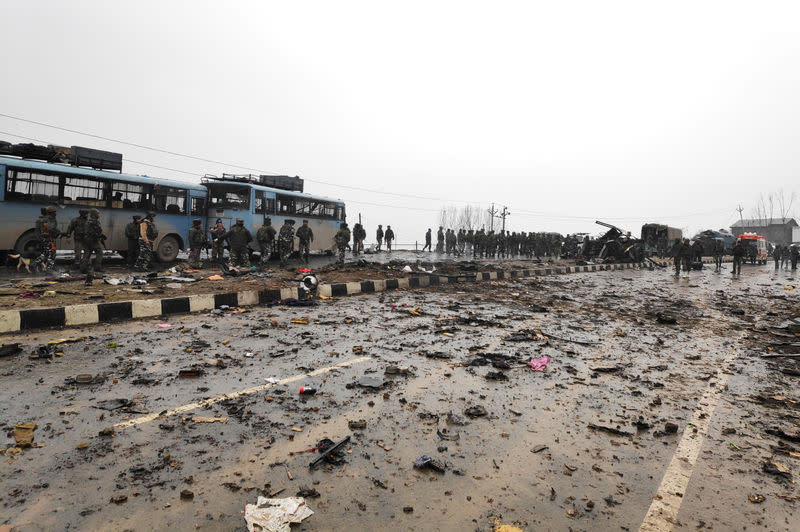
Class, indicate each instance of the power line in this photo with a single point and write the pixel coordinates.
(522, 213)
(220, 163)
(202, 175)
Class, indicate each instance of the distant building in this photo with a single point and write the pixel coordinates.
(775, 230)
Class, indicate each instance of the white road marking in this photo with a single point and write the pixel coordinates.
(663, 513)
(247, 391)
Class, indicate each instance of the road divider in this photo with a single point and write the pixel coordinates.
(12, 321)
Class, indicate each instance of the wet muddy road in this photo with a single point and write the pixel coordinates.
(633, 422)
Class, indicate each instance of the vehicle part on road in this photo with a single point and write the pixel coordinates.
(328, 452)
(191, 372)
(475, 411)
(610, 430)
(426, 462)
(275, 515)
(455, 419)
(9, 349)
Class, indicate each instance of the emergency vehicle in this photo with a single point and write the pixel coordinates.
(755, 246)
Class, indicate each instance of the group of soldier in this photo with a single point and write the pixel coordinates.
(238, 238)
(86, 231)
(504, 244)
(783, 255)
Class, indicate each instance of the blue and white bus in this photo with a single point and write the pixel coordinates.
(28, 185)
(244, 196)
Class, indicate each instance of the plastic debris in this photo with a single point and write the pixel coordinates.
(275, 515)
(163, 325)
(539, 364)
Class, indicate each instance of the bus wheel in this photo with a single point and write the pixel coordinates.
(27, 245)
(167, 249)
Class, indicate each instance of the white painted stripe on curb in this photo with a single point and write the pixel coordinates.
(492, 275)
(247, 298)
(353, 288)
(9, 321)
(402, 282)
(247, 391)
(288, 293)
(325, 290)
(143, 308)
(201, 302)
(380, 285)
(663, 512)
(81, 314)
(424, 281)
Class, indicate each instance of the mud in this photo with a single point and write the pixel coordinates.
(444, 373)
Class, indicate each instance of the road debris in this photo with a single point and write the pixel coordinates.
(275, 515)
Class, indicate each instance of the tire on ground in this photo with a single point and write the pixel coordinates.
(27, 244)
(168, 249)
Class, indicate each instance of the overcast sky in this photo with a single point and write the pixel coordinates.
(564, 111)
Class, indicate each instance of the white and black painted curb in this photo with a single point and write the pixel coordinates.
(87, 314)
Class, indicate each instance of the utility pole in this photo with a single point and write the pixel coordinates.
(492, 213)
(740, 215)
(503, 216)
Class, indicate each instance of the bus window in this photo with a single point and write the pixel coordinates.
(198, 207)
(169, 200)
(229, 197)
(286, 205)
(130, 195)
(84, 191)
(308, 207)
(29, 186)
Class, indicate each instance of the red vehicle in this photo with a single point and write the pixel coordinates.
(755, 246)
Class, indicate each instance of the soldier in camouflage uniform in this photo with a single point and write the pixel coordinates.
(147, 237)
(76, 229)
(47, 233)
(341, 238)
(218, 241)
(306, 236)
(197, 241)
(132, 234)
(238, 239)
(378, 237)
(266, 241)
(286, 241)
(93, 241)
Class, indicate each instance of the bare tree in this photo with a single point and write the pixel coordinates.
(785, 204)
(465, 217)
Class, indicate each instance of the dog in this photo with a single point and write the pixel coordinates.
(16, 259)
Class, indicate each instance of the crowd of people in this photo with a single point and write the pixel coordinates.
(141, 233)
(503, 244)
